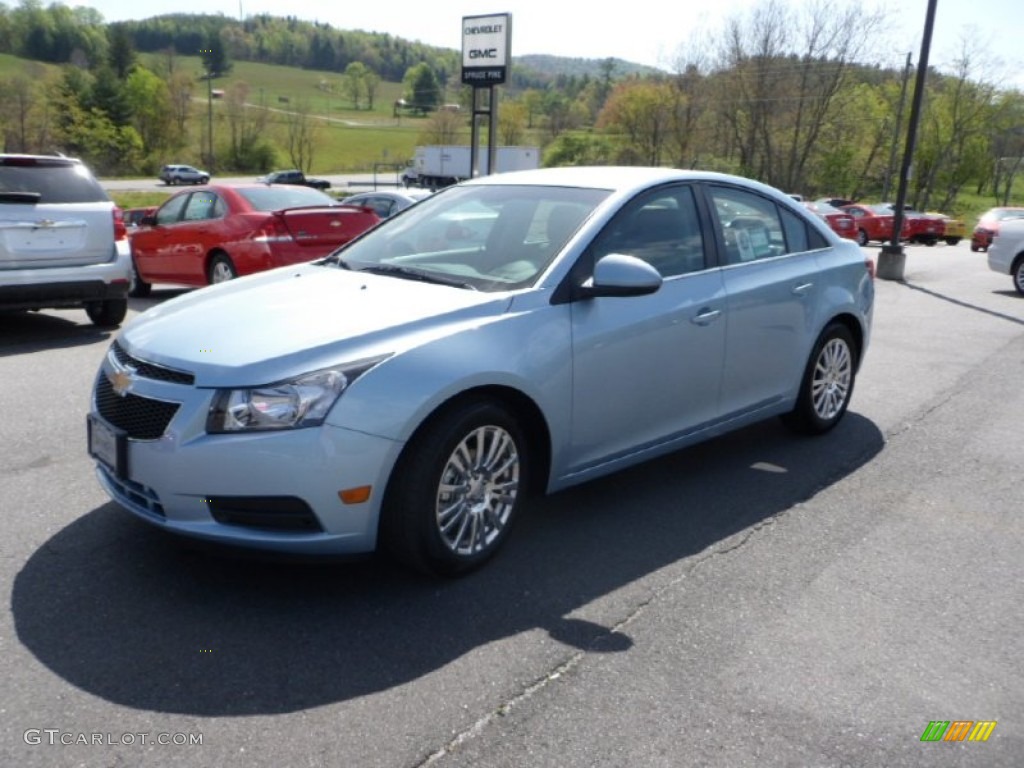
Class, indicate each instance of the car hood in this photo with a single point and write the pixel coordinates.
(281, 323)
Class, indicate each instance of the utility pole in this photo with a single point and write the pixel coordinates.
(892, 260)
(887, 186)
(209, 117)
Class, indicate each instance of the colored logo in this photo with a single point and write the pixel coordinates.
(958, 730)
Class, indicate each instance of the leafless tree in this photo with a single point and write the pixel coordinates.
(303, 131)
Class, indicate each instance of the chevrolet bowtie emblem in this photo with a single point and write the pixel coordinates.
(121, 381)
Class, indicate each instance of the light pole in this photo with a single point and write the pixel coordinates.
(892, 260)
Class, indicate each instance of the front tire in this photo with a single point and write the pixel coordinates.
(107, 314)
(827, 384)
(457, 489)
(138, 288)
(862, 238)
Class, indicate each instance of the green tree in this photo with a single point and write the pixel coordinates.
(152, 110)
(121, 56)
(215, 56)
(354, 82)
(421, 88)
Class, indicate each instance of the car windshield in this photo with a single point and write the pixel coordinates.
(278, 198)
(491, 238)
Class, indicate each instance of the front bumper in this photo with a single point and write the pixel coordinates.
(185, 479)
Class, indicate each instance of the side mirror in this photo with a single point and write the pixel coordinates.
(620, 275)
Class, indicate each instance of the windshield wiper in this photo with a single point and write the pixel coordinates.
(20, 197)
(411, 273)
(335, 258)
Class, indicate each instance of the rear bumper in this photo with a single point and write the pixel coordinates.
(66, 286)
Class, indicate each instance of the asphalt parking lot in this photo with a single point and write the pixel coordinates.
(761, 600)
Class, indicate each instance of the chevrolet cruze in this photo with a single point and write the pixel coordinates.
(517, 333)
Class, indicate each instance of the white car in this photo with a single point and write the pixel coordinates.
(63, 242)
(183, 174)
(387, 203)
(1006, 253)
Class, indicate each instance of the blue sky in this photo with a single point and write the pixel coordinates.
(647, 34)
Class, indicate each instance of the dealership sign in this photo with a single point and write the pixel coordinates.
(485, 49)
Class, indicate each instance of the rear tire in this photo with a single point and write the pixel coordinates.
(107, 314)
(862, 238)
(221, 270)
(953, 241)
(1018, 275)
(455, 493)
(827, 384)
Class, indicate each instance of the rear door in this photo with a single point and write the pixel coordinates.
(772, 280)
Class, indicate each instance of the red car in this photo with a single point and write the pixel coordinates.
(874, 222)
(839, 221)
(218, 232)
(988, 226)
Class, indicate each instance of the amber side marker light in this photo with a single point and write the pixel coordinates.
(355, 495)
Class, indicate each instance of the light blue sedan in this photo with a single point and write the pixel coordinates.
(517, 333)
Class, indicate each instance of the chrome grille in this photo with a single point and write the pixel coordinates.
(140, 417)
(151, 370)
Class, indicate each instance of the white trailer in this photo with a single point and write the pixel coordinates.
(438, 166)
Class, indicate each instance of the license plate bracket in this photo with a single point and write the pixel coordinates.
(109, 445)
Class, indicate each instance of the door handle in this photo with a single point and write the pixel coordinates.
(802, 289)
(706, 316)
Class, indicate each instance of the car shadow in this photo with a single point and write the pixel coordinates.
(156, 296)
(24, 332)
(124, 612)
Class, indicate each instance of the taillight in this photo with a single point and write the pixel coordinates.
(870, 264)
(120, 230)
(273, 230)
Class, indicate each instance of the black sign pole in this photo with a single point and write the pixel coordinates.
(492, 132)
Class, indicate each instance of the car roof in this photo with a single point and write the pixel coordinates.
(614, 178)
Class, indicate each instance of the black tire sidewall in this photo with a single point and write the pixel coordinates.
(107, 314)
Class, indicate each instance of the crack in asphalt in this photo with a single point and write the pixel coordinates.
(574, 660)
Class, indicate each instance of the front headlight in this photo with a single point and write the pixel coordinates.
(300, 402)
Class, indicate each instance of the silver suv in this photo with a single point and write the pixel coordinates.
(183, 174)
(62, 240)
